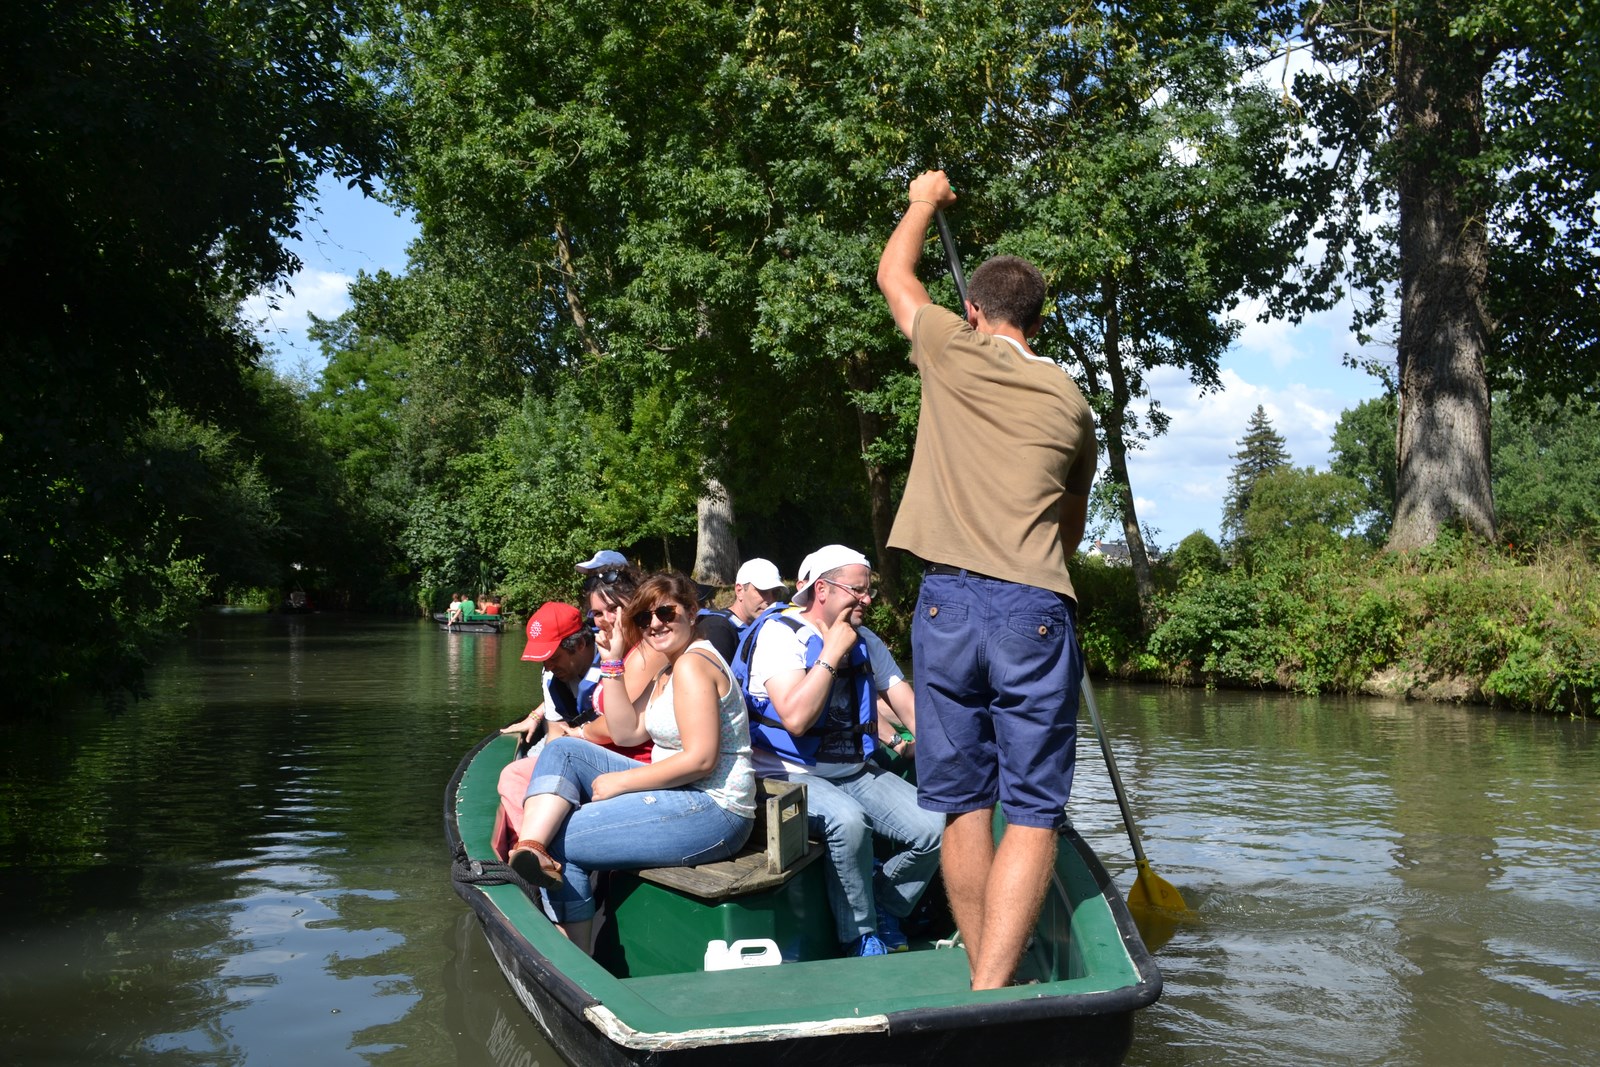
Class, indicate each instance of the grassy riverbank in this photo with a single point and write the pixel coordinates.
(1460, 621)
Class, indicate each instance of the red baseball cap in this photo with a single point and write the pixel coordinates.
(550, 625)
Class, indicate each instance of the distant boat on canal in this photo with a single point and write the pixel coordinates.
(472, 624)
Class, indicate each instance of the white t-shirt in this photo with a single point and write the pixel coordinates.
(780, 650)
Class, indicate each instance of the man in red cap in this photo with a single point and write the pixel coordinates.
(559, 641)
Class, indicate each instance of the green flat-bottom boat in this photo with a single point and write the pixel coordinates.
(644, 998)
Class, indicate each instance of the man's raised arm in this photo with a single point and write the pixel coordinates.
(897, 267)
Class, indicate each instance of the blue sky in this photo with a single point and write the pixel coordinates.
(1296, 372)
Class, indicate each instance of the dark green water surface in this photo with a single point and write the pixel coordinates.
(249, 867)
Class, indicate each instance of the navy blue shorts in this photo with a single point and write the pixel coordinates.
(997, 677)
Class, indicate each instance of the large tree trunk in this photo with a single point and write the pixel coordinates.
(1117, 454)
(870, 427)
(1443, 437)
(716, 554)
(716, 551)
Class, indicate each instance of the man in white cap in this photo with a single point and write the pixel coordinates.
(815, 678)
(756, 588)
(994, 505)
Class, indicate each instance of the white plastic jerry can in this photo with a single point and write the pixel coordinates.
(750, 952)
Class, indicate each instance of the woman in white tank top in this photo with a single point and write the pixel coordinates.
(589, 809)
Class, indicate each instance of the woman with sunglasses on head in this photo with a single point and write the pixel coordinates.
(590, 810)
(607, 589)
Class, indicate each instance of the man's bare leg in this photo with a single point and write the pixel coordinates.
(965, 857)
(1018, 877)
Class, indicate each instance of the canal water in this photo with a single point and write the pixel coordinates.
(249, 867)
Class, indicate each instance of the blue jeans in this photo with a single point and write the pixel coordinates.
(845, 813)
(998, 671)
(655, 828)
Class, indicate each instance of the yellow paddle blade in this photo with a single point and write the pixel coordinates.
(1150, 890)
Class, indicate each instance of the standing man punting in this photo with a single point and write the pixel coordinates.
(995, 505)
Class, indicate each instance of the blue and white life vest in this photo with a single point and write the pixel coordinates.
(847, 729)
(574, 710)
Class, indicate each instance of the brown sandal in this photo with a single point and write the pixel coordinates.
(533, 863)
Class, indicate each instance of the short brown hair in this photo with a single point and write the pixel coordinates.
(1009, 290)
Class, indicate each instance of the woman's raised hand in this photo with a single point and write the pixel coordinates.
(608, 639)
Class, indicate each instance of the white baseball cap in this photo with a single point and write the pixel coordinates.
(820, 562)
(761, 573)
(603, 560)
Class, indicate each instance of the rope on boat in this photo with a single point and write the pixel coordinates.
(486, 872)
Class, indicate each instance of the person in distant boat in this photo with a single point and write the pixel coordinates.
(491, 606)
(458, 608)
(816, 676)
(591, 810)
(995, 505)
(756, 588)
(565, 648)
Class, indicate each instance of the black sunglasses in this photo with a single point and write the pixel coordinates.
(664, 613)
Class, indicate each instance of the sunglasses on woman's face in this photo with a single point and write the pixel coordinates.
(664, 614)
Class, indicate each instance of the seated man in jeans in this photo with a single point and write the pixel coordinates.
(815, 676)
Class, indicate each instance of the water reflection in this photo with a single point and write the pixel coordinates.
(488, 1021)
(472, 660)
(249, 867)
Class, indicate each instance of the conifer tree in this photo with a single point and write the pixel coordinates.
(1262, 450)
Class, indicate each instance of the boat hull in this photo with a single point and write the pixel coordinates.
(908, 1008)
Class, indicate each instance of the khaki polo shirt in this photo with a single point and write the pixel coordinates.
(1001, 438)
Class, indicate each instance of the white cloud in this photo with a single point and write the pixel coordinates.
(323, 293)
(1180, 478)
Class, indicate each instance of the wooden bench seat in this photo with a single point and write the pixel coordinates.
(777, 849)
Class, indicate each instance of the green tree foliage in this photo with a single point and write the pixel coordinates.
(1541, 100)
(697, 193)
(1196, 557)
(1547, 472)
(1364, 449)
(1152, 194)
(1470, 125)
(606, 196)
(674, 196)
(151, 159)
(1301, 510)
(1262, 450)
(218, 507)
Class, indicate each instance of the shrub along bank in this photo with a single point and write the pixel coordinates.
(1459, 621)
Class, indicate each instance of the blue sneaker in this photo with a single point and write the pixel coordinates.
(889, 932)
(867, 945)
